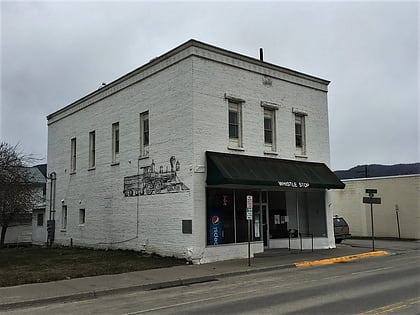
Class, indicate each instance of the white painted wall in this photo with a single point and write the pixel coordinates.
(188, 114)
(111, 218)
(403, 191)
(16, 234)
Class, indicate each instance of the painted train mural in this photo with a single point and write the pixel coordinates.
(152, 181)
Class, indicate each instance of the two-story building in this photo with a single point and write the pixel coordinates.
(164, 158)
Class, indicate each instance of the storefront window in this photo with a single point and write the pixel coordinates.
(274, 213)
(241, 221)
(220, 213)
(226, 217)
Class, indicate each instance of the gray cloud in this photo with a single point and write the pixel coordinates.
(56, 52)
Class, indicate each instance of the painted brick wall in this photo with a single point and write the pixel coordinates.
(211, 81)
(111, 218)
(188, 115)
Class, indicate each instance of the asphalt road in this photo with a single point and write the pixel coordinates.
(379, 285)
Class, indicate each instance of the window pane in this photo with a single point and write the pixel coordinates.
(146, 131)
(233, 131)
(298, 141)
(92, 149)
(117, 140)
(298, 129)
(233, 117)
(40, 219)
(73, 155)
(220, 213)
(268, 136)
(268, 123)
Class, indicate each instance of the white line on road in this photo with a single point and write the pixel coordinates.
(372, 270)
(190, 302)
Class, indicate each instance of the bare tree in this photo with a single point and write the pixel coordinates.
(17, 190)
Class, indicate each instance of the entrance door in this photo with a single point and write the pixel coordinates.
(261, 218)
(264, 224)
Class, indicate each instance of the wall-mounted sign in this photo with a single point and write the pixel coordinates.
(249, 214)
(215, 226)
(249, 202)
(294, 184)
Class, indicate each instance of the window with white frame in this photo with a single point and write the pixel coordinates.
(115, 142)
(270, 129)
(235, 124)
(270, 126)
(144, 134)
(82, 216)
(300, 137)
(73, 155)
(92, 149)
(64, 217)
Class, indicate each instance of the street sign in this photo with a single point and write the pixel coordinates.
(249, 214)
(371, 191)
(372, 200)
(249, 202)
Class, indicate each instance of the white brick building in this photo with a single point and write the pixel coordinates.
(162, 159)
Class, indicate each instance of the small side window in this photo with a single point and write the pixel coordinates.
(40, 219)
(82, 216)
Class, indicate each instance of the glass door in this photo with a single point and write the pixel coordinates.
(264, 224)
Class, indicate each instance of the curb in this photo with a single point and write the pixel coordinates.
(143, 287)
(182, 282)
(340, 259)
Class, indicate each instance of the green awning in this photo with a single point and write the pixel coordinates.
(236, 169)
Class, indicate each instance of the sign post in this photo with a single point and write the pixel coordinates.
(249, 204)
(372, 200)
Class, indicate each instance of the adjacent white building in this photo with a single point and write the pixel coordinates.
(163, 158)
(398, 214)
(30, 228)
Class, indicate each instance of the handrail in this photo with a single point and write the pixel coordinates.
(306, 234)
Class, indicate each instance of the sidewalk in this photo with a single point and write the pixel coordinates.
(91, 287)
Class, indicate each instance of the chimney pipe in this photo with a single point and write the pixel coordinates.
(261, 54)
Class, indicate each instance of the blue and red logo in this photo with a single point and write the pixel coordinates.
(215, 220)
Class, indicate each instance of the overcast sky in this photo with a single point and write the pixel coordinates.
(55, 52)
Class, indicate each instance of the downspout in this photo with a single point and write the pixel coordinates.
(52, 178)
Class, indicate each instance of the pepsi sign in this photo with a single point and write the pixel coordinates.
(215, 227)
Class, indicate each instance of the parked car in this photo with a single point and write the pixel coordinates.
(341, 229)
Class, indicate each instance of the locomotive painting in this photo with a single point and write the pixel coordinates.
(155, 181)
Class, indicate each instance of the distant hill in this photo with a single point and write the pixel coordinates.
(377, 170)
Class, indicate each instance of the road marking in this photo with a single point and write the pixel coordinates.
(190, 302)
(340, 259)
(387, 309)
(369, 271)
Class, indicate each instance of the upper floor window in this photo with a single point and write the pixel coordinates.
(144, 134)
(269, 128)
(73, 155)
(300, 137)
(270, 125)
(235, 124)
(115, 142)
(92, 149)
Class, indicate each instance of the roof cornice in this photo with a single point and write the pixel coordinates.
(185, 50)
